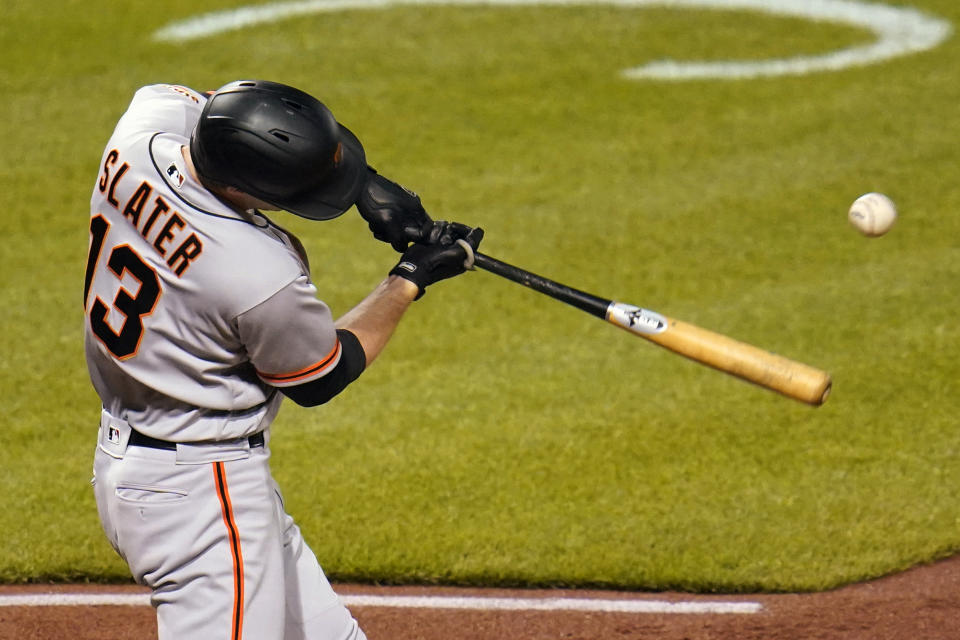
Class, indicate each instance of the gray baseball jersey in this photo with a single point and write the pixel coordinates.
(195, 312)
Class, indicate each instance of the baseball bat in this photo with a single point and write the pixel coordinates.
(753, 364)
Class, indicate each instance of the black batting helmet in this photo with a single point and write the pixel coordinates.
(280, 145)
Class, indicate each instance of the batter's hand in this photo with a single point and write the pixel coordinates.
(449, 256)
(393, 213)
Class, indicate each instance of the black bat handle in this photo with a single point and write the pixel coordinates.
(590, 303)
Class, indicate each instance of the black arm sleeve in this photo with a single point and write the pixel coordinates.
(353, 361)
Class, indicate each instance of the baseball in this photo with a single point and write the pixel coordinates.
(872, 214)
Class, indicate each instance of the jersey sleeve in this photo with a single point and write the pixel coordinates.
(290, 337)
(170, 108)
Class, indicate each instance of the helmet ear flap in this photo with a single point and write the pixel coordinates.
(280, 145)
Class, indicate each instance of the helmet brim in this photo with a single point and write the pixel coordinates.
(340, 190)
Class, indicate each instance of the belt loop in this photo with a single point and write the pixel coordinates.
(114, 435)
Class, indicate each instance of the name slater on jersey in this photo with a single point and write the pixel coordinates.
(152, 216)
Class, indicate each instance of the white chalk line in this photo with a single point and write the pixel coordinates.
(899, 31)
(424, 602)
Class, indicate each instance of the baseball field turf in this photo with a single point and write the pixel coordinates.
(504, 438)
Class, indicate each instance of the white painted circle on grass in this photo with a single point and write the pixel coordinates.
(899, 30)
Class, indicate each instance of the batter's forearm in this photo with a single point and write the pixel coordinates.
(374, 320)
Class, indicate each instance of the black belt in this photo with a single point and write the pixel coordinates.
(138, 439)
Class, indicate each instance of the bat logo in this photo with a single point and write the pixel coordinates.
(641, 318)
(636, 319)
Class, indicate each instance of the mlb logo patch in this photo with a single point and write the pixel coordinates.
(175, 174)
(113, 435)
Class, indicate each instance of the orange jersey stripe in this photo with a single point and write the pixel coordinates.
(314, 370)
(236, 626)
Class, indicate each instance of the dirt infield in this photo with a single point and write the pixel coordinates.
(920, 604)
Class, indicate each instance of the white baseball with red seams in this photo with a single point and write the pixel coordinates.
(872, 214)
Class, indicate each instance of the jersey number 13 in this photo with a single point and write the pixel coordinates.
(122, 343)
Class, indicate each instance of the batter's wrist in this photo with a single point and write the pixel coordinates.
(407, 288)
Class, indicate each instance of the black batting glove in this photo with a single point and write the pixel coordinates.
(424, 264)
(393, 213)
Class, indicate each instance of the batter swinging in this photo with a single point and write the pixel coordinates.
(200, 316)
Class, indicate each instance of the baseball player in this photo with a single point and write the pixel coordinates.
(200, 317)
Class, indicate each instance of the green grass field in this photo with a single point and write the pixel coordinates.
(504, 438)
